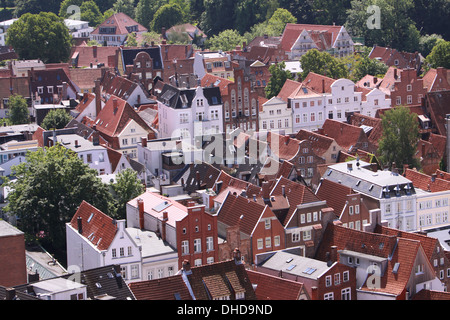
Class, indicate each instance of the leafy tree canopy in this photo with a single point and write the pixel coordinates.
(127, 187)
(400, 138)
(18, 112)
(278, 77)
(440, 55)
(40, 36)
(226, 40)
(323, 63)
(50, 186)
(56, 119)
(167, 16)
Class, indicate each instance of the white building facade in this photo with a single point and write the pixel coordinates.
(275, 115)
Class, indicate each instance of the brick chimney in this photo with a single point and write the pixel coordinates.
(98, 102)
(94, 51)
(333, 254)
(80, 225)
(140, 203)
(165, 218)
(115, 103)
(314, 293)
(265, 190)
(144, 142)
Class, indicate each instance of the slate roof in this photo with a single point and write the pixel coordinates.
(128, 56)
(173, 97)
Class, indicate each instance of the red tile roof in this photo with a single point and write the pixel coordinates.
(425, 294)
(270, 287)
(210, 80)
(121, 21)
(320, 143)
(335, 194)
(283, 146)
(97, 227)
(85, 55)
(426, 182)
(288, 88)
(323, 35)
(318, 82)
(161, 289)
(346, 135)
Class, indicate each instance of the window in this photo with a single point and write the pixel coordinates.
(346, 294)
(328, 296)
(122, 252)
(197, 245)
(130, 251)
(328, 281)
(345, 276)
(260, 244)
(267, 224)
(295, 237)
(409, 87)
(350, 210)
(398, 101)
(306, 235)
(185, 247)
(125, 142)
(209, 244)
(268, 242)
(134, 271)
(114, 253)
(337, 279)
(409, 99)
(276, 241)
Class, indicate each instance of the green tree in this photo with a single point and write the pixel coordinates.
(226, 40)
(131, 40)
(278, 21)
(218, 15)
(278, 76)
(440, 55)
(127, 187)
(331, 11)
(397, 30)
(167, 16)
(427, 43)
(40, 36)
(50, 186)
(18, 113)
(91, 13)
(149, 37)
(322, 63)
(64, 11)
(125, 6)
(365, 66)
(56, 119)
(144, 12)
(36, 6)
(400, 137)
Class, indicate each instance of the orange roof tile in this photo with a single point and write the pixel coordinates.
(270, 287)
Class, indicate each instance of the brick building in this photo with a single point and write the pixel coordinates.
(13, 269)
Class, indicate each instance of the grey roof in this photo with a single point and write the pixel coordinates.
(177, 98)
(152, 245)
(69, 140)
(7, 230)
(380, 184)
(297, 265)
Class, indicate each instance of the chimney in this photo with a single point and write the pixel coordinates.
(163, 225)
(76, 144)
(144, 142)
(349, 166)
(333, 254)
(265, 190)
(323, 85)
(283, 190)
(95, 138)
(237, 256)
(197, 179)
(395, 73)
(98, 102)
(423, 150)
(94, 51)
(314, 293)
(140, 203)
(433, 177)
(187, 267)
(10, 294)
(80, 225)
(115, 108)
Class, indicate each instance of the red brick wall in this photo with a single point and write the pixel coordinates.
(12, 261)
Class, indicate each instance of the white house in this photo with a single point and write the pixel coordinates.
(96, 240)
(308, 109)
(78, 29)
(392, 193)
(275, 115)
(4, 26)
(187, 113)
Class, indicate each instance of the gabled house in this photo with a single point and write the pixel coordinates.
(96, 240)
(324, 146)
(436, 105)
(253, 226)
(189, 230)
(323, 280)
(297, 39)
(115, 30)
(349, 206)
(120, 126)
(51, 86)
(349, 137)
(388, 267)
(94, 57)
(217, 63)
(131, 91)
(403, 87)
(436, 79)
(394, 58)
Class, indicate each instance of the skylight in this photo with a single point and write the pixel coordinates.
(292, 266)
(90, 217)
(309, 270)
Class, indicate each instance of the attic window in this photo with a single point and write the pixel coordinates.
(358, 183)
(98, 285)
(371, 187)
(396, 266)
